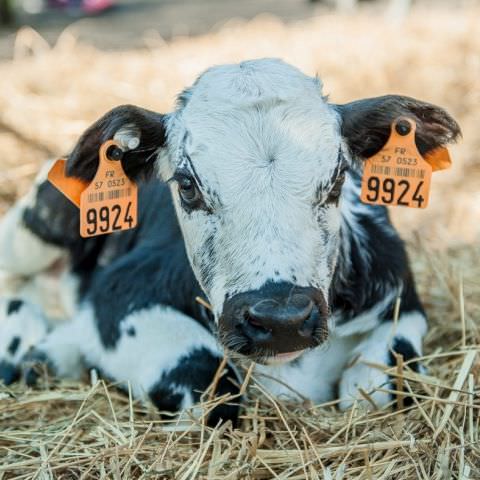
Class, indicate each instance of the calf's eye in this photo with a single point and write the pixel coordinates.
(189, 192)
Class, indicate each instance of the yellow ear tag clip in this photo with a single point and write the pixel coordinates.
(108, 203)
(398, 174)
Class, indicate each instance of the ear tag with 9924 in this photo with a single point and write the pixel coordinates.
(109, 203)
(398, 174)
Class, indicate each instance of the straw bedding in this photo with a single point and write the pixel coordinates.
(93, 430)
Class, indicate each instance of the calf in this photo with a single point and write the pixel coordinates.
(248, 195)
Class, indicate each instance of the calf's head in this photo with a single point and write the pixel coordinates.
(255, 157)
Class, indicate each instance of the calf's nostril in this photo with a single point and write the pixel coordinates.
(307, 328)
(255, 322)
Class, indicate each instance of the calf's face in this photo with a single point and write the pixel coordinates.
(255, 164)
(255, 158)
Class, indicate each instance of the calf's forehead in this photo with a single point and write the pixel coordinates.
(270, 122)
(253, 80)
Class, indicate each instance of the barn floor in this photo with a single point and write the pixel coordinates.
(91, 430)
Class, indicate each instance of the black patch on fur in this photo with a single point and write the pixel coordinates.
(374, 274)
(61, 226)
(14, 344)
(366, 124)
(409, 299)
(195, 372)
(131, 332)
(403, 347)
(151, 269)
(9, 373)
(165, 399)
(14, 306)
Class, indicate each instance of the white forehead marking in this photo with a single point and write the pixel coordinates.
(257, 114)
(253, 80)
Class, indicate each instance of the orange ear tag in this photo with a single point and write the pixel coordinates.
(109, 203)
(71, 187)
(398, 174)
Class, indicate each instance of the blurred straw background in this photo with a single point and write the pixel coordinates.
(49, 95)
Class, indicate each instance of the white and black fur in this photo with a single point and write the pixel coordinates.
(249, 189)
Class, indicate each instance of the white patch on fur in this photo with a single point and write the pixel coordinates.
(68, 289)
(262, 140)
(162, 336)
(62, 346)
(27, 324)
(375, 348)
(22, 252)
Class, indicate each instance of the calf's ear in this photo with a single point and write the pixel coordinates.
(140, 132)
(366, 124)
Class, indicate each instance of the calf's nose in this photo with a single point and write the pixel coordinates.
(270, 314)
(277, 318)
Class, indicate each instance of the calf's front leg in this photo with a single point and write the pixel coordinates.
(379, 347)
